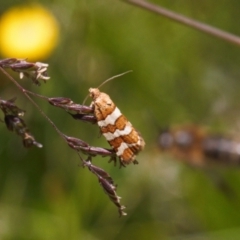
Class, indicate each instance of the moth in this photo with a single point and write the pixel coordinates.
(198, 147)
(114, 126)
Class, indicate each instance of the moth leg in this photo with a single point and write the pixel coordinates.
(135, 161)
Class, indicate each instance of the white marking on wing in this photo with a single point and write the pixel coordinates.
(110, 119)
(118, 133)
(121, 149)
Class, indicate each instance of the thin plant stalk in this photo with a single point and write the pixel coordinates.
(213, 31)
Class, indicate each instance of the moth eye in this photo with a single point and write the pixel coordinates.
(109, 103)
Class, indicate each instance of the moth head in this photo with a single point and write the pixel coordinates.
(94, 93)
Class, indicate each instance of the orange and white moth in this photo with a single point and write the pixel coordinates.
(115, 127)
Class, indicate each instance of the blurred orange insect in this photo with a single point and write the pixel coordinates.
(196, 146)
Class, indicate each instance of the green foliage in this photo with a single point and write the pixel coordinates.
(179, 75)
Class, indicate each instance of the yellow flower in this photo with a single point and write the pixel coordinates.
(28, 32)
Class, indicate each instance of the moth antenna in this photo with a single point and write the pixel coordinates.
(85, 99)
(108, 80)
(111, 78)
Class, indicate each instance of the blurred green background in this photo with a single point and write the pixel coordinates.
(179, 75)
